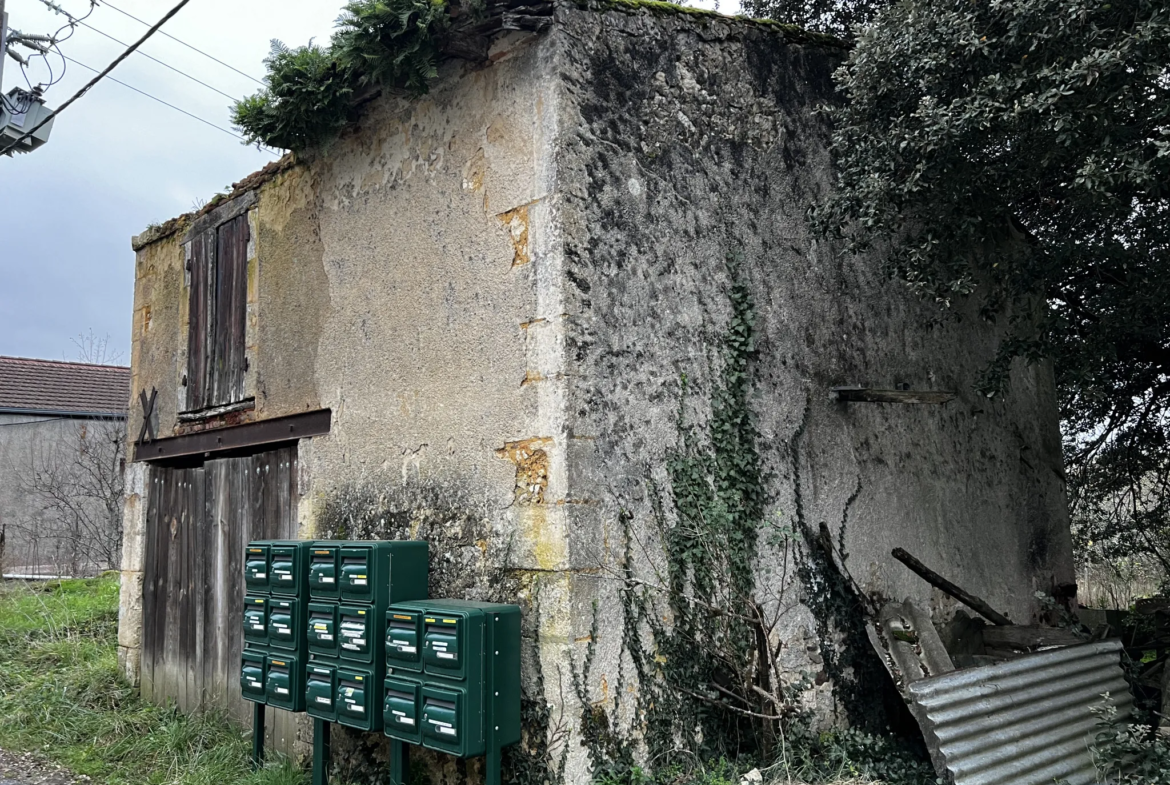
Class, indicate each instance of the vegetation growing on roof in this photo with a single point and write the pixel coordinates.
(311, 91)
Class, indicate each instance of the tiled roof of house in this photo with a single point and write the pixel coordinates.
(63, 387)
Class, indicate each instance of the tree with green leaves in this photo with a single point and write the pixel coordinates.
(1018, 152)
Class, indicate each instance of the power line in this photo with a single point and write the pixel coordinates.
(89, 85)
(154, 98)
(160, 62)
(184, 43)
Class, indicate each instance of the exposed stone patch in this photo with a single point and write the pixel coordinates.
(531, 461)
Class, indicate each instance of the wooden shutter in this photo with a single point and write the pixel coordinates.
(218, 315)
(231, 311)
(201, 270)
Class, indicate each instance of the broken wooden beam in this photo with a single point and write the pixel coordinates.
(939, 582)
(870, 395)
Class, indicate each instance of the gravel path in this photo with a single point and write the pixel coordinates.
(22, 768)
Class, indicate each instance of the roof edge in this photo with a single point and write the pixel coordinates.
(792, 32)
(255, 180)
(67, 413)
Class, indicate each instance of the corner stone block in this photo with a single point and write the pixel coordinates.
(130, 610)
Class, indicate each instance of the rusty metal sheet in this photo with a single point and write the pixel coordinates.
(1022, 722)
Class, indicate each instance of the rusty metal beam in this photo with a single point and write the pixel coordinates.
(236, 437)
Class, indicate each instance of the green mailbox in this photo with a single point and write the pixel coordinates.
(357, 698)
(321, 691)
(286, 623)
(253, 669)
(469, 696)
(288, 567)
(322, 629)
(355, 633)
(402, 709)
(256, 620)
(323, 570)
(256, 568)
(404, 639)
(451, 723)
(284, 685)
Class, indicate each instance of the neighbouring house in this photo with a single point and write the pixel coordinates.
(563, 317)
(62, 463)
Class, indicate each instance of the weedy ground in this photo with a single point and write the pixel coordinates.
(62, 697)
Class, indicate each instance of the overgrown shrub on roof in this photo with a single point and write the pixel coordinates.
(311, 91)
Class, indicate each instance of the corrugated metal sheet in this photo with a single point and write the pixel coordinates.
(1022, 722)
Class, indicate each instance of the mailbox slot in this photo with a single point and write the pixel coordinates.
(256, 619)
(403, 639)
(401, 712)
(283, 686)
(256, 568)
(285, 628)
(252, 676)
(323, 572)
(322, 629)
(443, 642)
(355, 632)
(321, 691)
(285, 569)
(355, 578)
(356, 700)
(443, 723)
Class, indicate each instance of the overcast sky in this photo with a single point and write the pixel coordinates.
(117, 161)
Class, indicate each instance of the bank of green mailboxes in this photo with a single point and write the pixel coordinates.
(313, 623)
(453, 675)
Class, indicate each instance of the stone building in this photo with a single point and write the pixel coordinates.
(62, 428)
(551, 317)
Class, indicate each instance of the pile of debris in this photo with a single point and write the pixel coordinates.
(1000, 703)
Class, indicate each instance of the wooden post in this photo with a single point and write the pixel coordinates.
(938, 581)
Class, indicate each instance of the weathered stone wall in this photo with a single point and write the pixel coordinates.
(694, 141)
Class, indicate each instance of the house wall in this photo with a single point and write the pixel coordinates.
(30, 443)
(497, 289)
(394, 281)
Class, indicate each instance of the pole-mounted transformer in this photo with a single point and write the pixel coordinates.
(20, 109)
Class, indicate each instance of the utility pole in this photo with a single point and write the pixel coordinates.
(3, 42)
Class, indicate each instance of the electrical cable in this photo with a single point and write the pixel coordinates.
(155, 98)
(89, 85)
(160, 62)
(184, 43)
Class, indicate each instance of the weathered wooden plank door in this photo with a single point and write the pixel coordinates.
(199, 520)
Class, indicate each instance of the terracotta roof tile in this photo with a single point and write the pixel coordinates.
(49, 386)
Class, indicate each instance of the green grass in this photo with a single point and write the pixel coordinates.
(62, 696)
